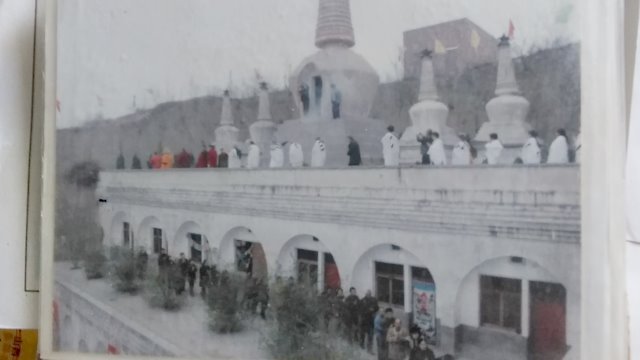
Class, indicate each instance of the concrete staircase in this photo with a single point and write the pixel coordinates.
(334, 132)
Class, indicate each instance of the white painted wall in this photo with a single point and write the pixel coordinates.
(453, 260)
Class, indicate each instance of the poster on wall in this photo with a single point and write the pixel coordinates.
(424, 308)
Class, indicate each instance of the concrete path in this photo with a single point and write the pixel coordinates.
(187, 328)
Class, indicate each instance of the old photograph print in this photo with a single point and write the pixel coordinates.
(318, 179)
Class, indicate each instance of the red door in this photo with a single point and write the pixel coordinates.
(548, 321)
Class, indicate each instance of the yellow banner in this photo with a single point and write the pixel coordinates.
(18, 344)
(475, 39)
(439, 47)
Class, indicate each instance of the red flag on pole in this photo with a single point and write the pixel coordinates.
(512, 29)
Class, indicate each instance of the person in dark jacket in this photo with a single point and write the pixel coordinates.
(192, 271)
(136, 164)
(421, 351)
(263, 297)
(368, 310)
(352, 315)
(204, 278)
(183, 268)
(354, 152)
(337, 311)
(223, 159)
(163, 261)
(425, 142)
(141, 263)
(120, 162)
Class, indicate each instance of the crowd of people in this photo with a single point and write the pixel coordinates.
(359, 320)
(432, 150)
(221, 158)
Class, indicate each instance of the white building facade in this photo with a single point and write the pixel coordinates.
(500, 245)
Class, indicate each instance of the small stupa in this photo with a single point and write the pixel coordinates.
(507, 111)
(263, 130)
(226, 133)
(428, 114)
(335, 67)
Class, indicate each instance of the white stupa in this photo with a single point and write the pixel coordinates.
(263, 131)
(335, 64)
(507, 111)
(428, 114)
(226, 133)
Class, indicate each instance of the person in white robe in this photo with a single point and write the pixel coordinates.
(461, 152)
(578, 143)
(559, 149)
(253, 159)
(436, 151)
(531, 153)
(318, 153)
(234, 159)
(390, 148)
(296, 156)
(277, 156)
(493, 150)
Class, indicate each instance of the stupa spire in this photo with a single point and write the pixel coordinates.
(506, 83)
(264, 107)
(334, 24)
(226, 118)
(428, 89)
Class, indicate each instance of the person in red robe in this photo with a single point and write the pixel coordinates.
(156, 161)
(183, 160)
(213, 156)
(203, 158)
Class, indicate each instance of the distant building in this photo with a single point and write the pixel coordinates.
(458, 45)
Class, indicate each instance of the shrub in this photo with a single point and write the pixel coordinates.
(94, 264)
(224, 300)
(298, 332)
(124, 272)
(160, 293)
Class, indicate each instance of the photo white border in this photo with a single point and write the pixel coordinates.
(604, 333)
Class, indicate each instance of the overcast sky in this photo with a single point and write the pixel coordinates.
(118, 55)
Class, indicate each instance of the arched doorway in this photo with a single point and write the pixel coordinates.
(151, 235)
(191, 240)
(400, 281)
(122, 230)
(306, 258)
(241, 251)
(513, 306)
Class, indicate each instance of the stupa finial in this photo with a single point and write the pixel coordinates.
(506, 82)
(264, 107)
(334, 24)
(428, 89)
(226, 118)
(504, 40)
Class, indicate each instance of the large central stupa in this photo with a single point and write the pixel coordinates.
(335, 68)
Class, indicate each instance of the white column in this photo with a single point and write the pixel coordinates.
(525, 310)
(408, 295)
(321, 272)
